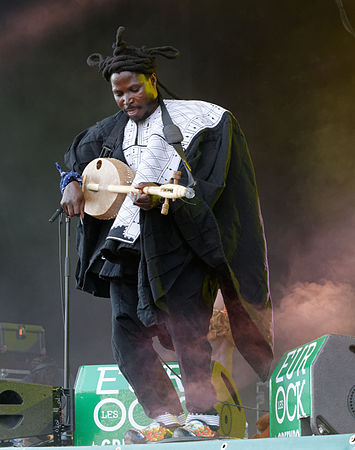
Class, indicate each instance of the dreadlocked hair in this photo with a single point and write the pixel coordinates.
(129, 58)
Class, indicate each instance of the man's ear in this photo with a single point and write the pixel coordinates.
(153, 80)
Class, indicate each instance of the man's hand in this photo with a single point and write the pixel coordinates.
(73, 200)
(146, 201)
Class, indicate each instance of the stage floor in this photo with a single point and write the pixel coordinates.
(335, 442)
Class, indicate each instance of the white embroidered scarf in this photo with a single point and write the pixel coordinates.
(153, 159)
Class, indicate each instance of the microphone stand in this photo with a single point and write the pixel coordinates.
(63, 434)
(66, 303)
(57, 213)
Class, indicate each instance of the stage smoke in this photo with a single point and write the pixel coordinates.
(310, 310)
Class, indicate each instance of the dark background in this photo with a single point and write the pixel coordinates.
(285, 69)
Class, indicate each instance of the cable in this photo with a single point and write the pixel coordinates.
(344, 18)
(236, 405)
(244, 407)
(60, 257)
(168, 367)
(42, 443)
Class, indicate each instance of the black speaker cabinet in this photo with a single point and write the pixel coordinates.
(312, 389)
(333, 394)
(27, 409)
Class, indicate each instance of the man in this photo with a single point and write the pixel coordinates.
(162, 273)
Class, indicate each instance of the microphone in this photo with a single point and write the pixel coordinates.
(55, 214)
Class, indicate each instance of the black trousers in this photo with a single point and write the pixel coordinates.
(190, 304)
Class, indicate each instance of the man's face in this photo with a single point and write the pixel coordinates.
(135, 93)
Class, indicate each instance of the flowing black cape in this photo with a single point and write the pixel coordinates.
(222, 225)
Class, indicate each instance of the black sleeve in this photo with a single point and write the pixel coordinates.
(85, 147)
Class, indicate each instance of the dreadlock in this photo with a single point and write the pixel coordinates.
(129, 58)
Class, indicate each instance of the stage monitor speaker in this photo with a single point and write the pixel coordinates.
(313, 389)
(28, 410)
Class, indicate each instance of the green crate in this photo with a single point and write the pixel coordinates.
(22, 338)
(106, 407)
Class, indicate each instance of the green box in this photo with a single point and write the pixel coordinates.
(106, 407)
(291, 389)
(21, 338)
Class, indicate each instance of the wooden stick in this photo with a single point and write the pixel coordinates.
(165, 190)
(176, 178)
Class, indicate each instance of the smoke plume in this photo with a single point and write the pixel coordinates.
(310, 310)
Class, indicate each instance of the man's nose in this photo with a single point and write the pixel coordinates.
(127, 99)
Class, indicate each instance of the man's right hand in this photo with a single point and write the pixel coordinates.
(73, 200)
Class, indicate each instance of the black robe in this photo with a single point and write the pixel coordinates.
(222, 225)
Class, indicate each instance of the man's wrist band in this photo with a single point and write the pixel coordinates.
(67, 177)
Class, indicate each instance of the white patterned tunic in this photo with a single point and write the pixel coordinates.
(152, 158)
